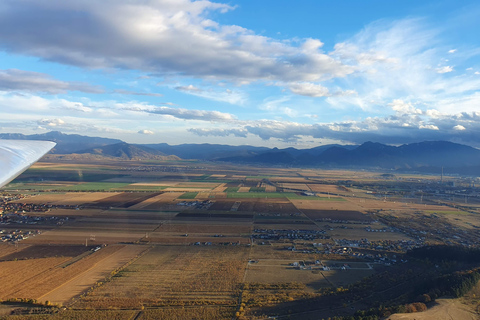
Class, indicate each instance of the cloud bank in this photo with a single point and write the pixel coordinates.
(145, 36)
(397, 129)
(20, 80)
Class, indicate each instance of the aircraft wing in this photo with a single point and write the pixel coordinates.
(17, 156)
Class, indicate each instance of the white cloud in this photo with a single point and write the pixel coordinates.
(309, 89)
(186, 114)
(407, 125)
(77, 126)
(28, 81)
(466, 102)
(403, 107)
(29, 107)
(274, 104)
(189, 88)
(51, 122)
(392, 61)
(397, 129)
(396, 61)
(226, 95)
(452, 51)
(434, 114)
(428, 126)
(445, 69)
(145, 36)
(134, 93)
(147, 132)
(312, 45)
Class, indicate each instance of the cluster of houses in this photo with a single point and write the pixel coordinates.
(204, 205)
(384, 245)
(161, 168)
(318, 265)
(386, 229)
(432, 227)
(360, 249)
(17, 235)
(290, 234)
(14, 207)
(6, 197)
(19, 208)
(208, 243)
(345, 221)
(13, 218)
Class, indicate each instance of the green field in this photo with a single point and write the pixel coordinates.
(231, 189)
(202, 178)
(141, 188)
(95, 186)
(188, 195)
(220, 180)
(74, 175)
(189, 187)
(254, 195)
(258, 177)
(86, 186)
(294, 196)
(273, 195)
(447, 212)
(30, 186)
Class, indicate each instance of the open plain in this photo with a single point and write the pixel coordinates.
(214, 241)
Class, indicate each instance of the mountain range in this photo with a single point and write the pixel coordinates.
(427, 156)
(66, 143)
(125, 151)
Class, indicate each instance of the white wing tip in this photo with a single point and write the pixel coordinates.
(16, 156)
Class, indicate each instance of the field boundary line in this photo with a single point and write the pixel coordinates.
(75, 259)
(138, 315)
(78, 275)
(82, 273)
(37, 275)
(240, 296)
(109, 277)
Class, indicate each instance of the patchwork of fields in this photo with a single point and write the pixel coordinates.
(207, 243)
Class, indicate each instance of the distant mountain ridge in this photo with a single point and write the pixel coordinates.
(66, 143)
(370, 154)
(427, 156)
(127, 151)
(206, 151)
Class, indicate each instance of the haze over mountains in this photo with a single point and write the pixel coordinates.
(66, 143)
(428, 156)
(127, 151)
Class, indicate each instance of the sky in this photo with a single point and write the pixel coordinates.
(242, 72)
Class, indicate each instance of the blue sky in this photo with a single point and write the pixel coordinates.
(268, 73)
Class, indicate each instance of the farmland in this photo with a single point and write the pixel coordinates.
(212, 241)
(174, 276)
